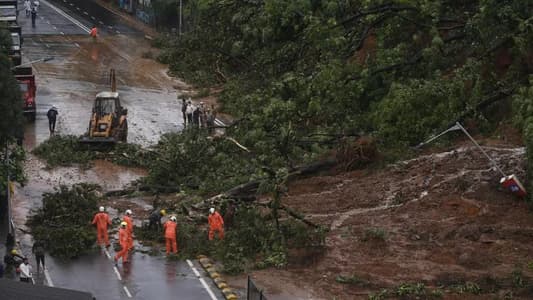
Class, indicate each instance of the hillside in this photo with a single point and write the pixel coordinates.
(439, 223)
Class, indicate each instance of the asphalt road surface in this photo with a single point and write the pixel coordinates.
(70, 81)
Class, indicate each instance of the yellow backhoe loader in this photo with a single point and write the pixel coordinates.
(108, 122)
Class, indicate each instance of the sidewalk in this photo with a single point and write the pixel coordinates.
(129, 19)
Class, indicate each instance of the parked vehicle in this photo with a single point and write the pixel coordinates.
(28, 88)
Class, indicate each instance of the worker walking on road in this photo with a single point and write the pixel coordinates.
(27, 7)
(129, 221)
(38, 251)
(33, 15)
(94, 33)
(216, 223)
(52, 115)
(170, 235)
(101, 219)
(123, 240)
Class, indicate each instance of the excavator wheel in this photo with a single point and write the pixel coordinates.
(121, 133)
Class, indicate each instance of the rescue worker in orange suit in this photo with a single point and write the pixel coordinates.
(123, 240)
(216, 223)
(170, 235)
(94, 32)
(102, 220)
(129, 221)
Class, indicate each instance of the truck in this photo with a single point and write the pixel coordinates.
(8, 12)
(16, 44)
(28, 89)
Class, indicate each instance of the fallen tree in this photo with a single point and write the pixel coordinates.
(63, 223)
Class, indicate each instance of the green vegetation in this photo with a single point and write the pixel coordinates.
(11, 118)
(63, 222)
(401, 70)
(374, 234)
(65, 150)
(351, 279)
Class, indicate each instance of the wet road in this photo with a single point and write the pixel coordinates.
(70, 81)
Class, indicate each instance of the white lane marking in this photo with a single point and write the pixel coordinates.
(78, 45)
(48, 278)
(102, 23)
(93, 18)
(118, 32)
(207, 288)
(71, 19)
(105, 250)
(85, 13)
(62, 33)
(71, 4)
(47, 46)
(55, 28)
(118, 274)
(77, 8)
(127, 292)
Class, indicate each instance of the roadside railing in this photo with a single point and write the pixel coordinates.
(253, 292)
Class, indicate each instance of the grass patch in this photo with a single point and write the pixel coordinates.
(351, 279)
(374, 234)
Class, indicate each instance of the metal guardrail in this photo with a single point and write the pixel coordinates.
(253, 292)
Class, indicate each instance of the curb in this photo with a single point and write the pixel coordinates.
(210, 268)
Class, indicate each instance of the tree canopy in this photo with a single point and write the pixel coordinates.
(294, 72)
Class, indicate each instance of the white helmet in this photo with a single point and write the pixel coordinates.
(101, 208)
(128, 211)
(211, 210)
(173, 219)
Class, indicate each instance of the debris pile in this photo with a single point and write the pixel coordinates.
(64, 221)
(65, 150)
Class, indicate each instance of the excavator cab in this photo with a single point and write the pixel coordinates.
(108, 122)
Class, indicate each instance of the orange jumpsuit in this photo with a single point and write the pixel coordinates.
(170, 236)
(129, 228)
(94, 32)
(123, 240)
(101, 220)
(216, 223)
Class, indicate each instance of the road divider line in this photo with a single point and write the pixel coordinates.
(118, 274)
(47, 277)
(105, 250)
(207, 288)
(71, 19)
(127, 291)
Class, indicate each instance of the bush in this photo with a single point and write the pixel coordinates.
(374, 234)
